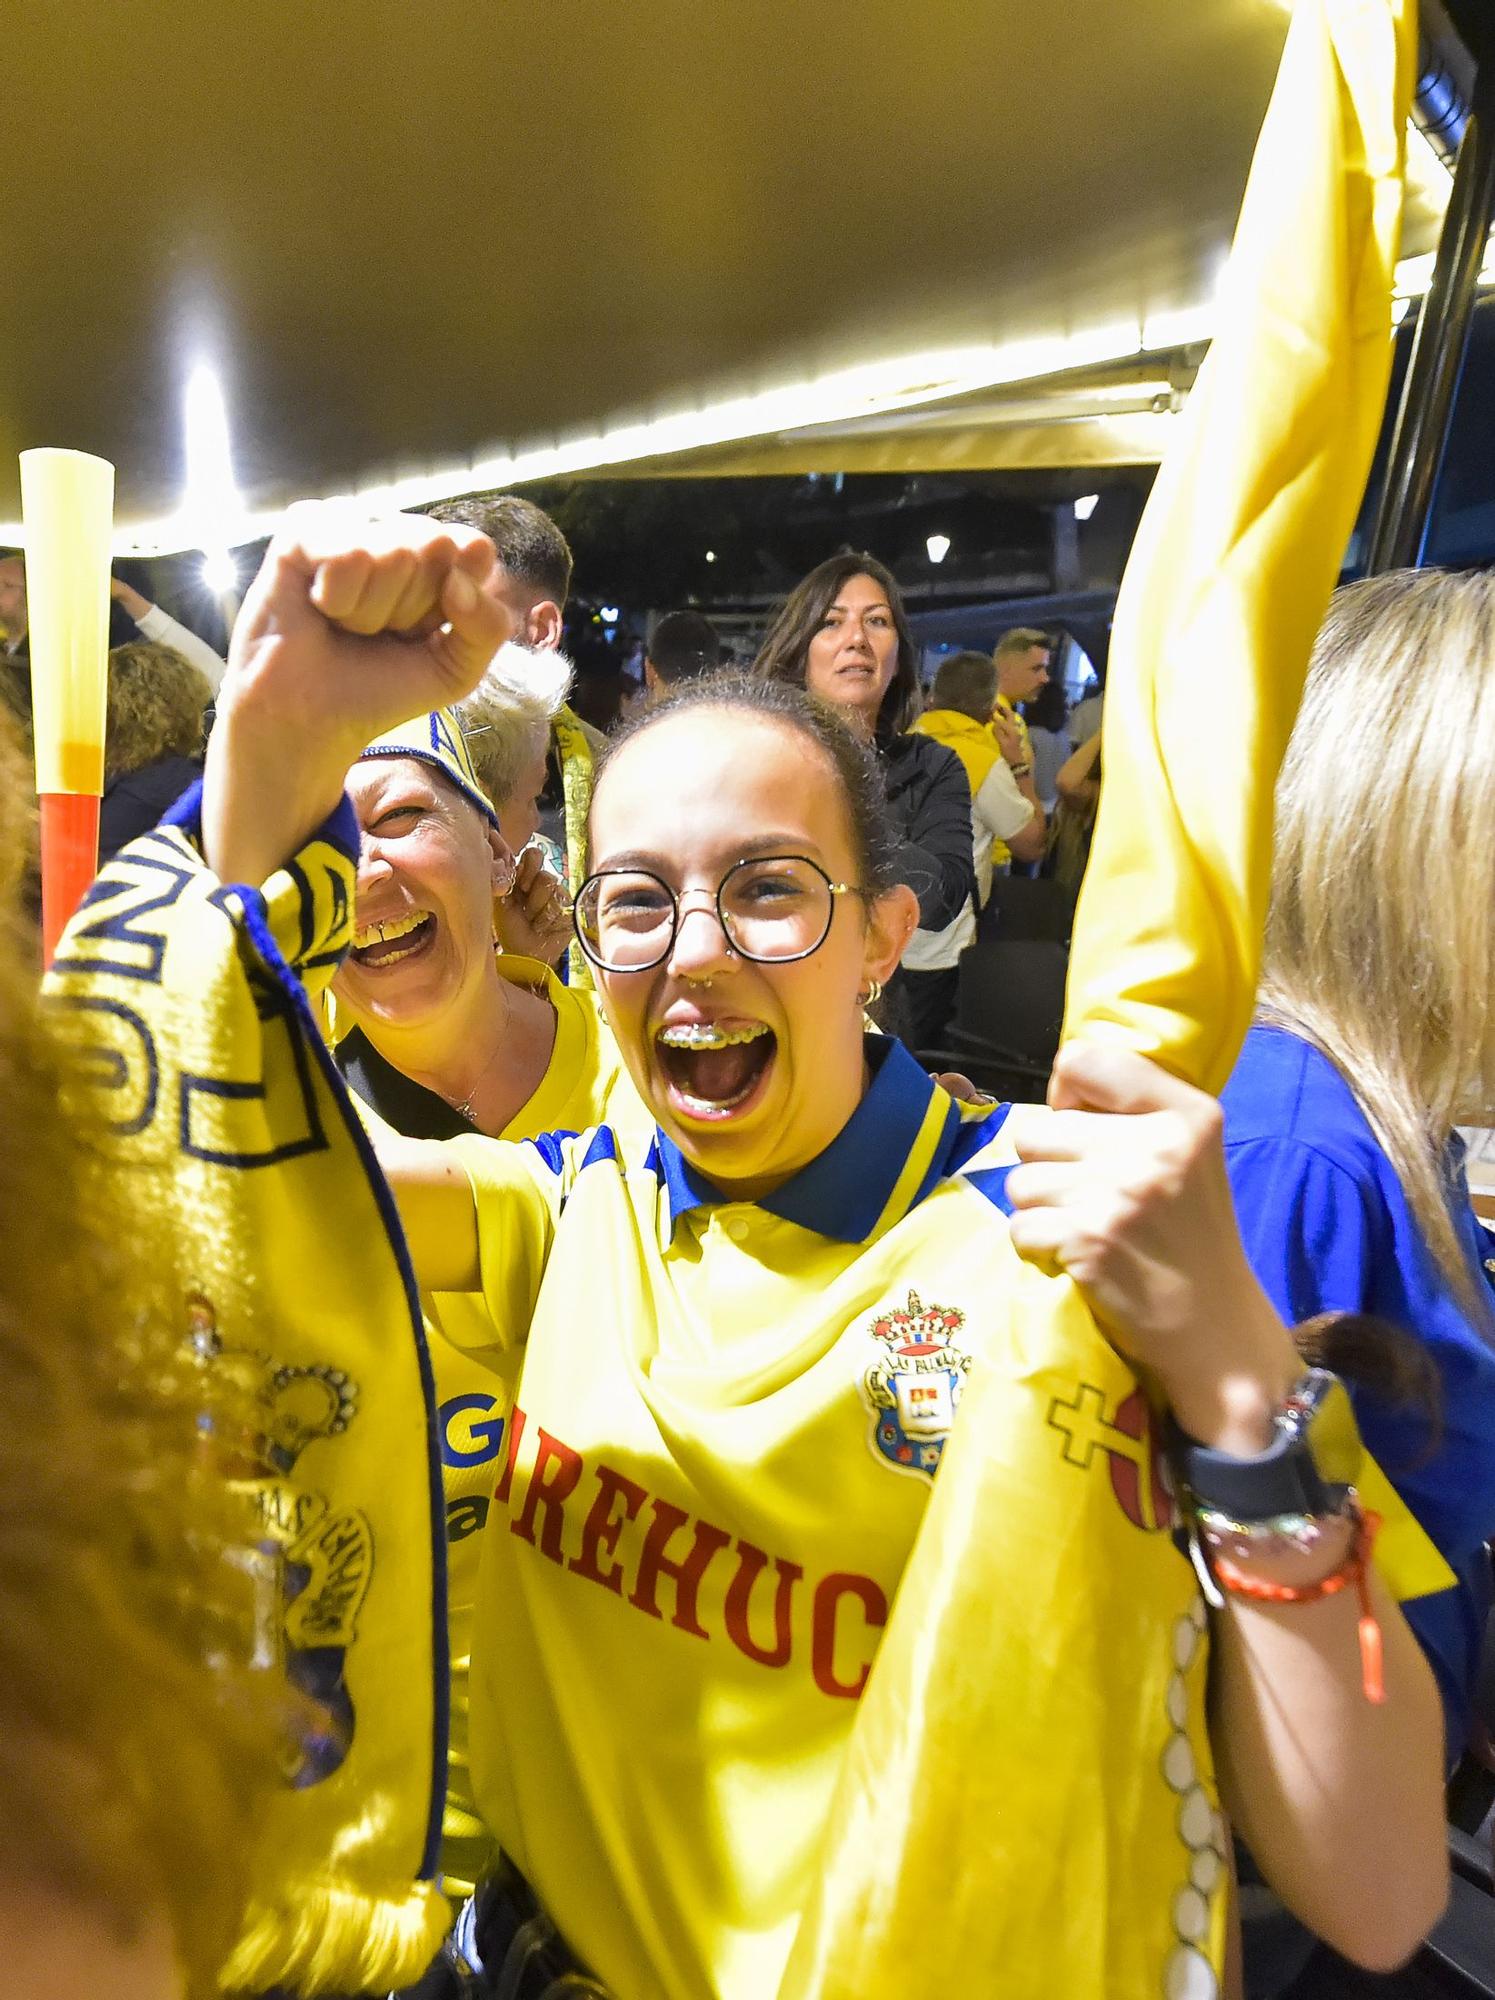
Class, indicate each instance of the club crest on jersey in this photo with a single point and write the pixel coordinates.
(913, 1381)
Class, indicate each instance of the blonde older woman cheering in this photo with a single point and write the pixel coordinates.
(440, 1033)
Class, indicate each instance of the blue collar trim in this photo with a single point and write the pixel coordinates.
(844, 1191)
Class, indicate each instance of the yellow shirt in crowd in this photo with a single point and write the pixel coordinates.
(998, 809)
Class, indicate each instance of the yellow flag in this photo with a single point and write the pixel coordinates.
(1028, 1807)
(1238, 550)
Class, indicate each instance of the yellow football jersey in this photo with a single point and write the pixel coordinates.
(728, 1418)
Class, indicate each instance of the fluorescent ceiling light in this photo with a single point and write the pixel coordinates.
(211, 502)
(843, 395)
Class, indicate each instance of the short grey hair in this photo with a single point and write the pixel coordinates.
(507, 717)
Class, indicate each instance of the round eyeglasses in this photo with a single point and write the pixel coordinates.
(772, 910)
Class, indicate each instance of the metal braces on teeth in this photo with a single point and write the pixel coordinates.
(706, 1035)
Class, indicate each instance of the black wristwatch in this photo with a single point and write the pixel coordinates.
(1309, 1468)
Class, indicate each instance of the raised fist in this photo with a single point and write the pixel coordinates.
(351, 627)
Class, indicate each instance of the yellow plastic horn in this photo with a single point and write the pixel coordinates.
(67, 503)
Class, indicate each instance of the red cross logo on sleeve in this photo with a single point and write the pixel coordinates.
(1138, 1476)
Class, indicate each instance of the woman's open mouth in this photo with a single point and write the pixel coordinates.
(376, 946)
(714, 1069)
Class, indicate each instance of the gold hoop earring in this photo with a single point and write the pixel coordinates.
(872, 995)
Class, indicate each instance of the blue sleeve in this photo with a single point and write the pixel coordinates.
(1321, 1239)
(1324, 1239)
(1311, 1230)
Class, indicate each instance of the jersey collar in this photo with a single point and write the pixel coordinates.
(884, 1160)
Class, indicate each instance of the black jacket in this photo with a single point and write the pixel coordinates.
(930, 803)
(133, 803)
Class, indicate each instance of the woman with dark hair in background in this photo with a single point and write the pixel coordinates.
(844, 635)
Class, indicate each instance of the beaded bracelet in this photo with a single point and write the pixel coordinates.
(1354, 1570)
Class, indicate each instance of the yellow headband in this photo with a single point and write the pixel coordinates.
(437, 739)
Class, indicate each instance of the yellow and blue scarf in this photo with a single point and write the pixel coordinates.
(230, 1138)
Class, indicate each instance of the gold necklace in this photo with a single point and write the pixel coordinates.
(463, 1106)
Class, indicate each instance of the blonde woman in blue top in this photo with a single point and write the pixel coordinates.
(1376, 1038)
(695, 1309)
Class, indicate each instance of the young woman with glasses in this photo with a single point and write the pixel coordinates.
(722, 1445)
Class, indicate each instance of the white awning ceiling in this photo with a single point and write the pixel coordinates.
(437, 248)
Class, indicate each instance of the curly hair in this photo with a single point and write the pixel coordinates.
(137, 1739)
(156, 705)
